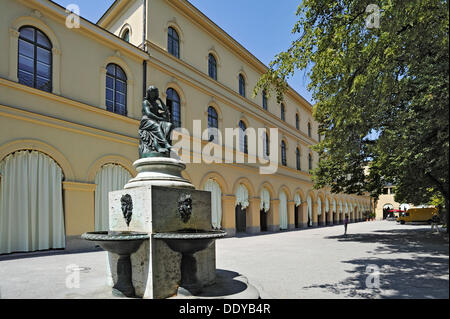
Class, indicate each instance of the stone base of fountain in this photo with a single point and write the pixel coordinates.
(122, 244)
(156, 267)
(179, 255)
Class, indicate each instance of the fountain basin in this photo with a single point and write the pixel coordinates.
(122, 244)
(188, 242)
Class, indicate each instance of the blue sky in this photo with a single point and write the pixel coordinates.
(263, 27)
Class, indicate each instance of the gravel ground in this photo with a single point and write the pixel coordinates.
(378, 259)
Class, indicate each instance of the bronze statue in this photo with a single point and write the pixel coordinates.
(156, 127)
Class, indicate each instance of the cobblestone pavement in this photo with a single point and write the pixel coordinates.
(322, 263)
(411, 262)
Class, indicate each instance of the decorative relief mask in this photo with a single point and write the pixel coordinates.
(127, 208)
(185, 207)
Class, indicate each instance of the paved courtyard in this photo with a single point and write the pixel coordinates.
(314, 263)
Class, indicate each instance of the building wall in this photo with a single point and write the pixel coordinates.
(72, 126)
(388, 197)
(131, 16)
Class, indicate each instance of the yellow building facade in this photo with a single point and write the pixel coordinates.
(74, 95)
(386, 201)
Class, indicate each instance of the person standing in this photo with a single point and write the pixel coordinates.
(345, 224)
(435, 223)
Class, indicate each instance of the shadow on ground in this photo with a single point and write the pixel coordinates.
(47, 253)
(424, 274)
(228, 284)
(414, 240)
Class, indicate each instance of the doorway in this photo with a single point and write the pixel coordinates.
(241, 219)
(263, 220)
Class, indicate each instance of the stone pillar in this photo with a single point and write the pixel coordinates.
(291, 214)
(229, 214)
(79, 213)
(315, 207)
(253, 223)
(321, 218)
(273, 217)
(330, 217)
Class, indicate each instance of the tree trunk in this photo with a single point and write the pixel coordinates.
(446, 212)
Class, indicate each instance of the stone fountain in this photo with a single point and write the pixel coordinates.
(160, 241)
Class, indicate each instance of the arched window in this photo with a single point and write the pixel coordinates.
(310, 219)
(241, 85)
(309, 129)
(310, 163)
(173, 103)
(283, 153)
(283, 112)
(266, 145)
(213, 118)
(216, 202)
(110, 177)
(264, 100)
(243, 138)
(283, 211)
(35, 219)
(297, 155)
(116, 89)
(297, 122)
(126, 35)
(35, 59)
(213, 124)
(173, 42)
(212, 66)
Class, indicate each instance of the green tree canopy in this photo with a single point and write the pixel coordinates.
(377, 68)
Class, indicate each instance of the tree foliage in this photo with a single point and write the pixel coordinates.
(390, 81)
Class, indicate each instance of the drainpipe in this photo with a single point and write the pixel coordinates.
(144, 44)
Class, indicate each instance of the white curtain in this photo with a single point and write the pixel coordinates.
(31, 206)
(265, 200)
(327, 206)
(216, 202)
(242, 197)
(319, 207)
(340, 207)
(297, 200)
(111, 177)
(283, 211)
(346, 208)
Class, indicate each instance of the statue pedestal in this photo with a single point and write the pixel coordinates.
(156, 193)
(155, 266)
(159, 171)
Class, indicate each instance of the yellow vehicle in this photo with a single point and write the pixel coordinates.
(416, 215)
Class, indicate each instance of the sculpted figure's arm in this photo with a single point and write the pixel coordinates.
(147, 111)
(166, 110)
